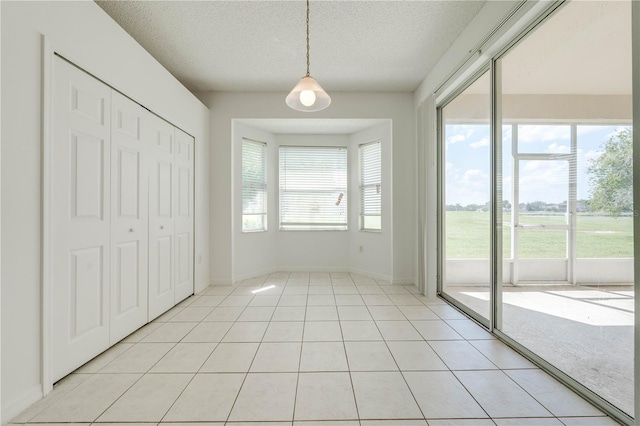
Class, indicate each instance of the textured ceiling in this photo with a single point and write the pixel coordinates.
(260, 45)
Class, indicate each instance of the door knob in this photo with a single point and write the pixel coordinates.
(161, 227)
(130, 229)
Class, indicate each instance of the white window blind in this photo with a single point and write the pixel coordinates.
(370, 187)
(313, 188)
(254, 186)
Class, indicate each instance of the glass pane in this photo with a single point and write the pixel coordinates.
(254, 185)
(605, 220)
(373, 223)
(507, 190)
(466, 175)
(542, 244)
(313, 188)
(568, 291)
(546, 138)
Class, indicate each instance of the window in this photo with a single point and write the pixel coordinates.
(370, 187)
(254, 186)
(313, 188)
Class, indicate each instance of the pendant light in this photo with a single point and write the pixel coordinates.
(308, 95)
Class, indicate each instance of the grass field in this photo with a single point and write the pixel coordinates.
(468, 236)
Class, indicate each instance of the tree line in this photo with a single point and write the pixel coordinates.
(610, 176)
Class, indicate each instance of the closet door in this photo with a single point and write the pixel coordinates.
(80, 216)
(184, 215)
(162, 203)
(130, 141)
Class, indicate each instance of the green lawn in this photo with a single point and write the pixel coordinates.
(468, 236)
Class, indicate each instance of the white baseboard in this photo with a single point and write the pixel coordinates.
(381, 277)
(200, 287)
(18, 405)
(254, 275)
(395, 281)
(215, 283)
(403, 281)
(310, 269)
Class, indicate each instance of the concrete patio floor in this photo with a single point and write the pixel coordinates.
(585, 331)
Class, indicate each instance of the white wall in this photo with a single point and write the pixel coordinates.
(84, 34)
(376, 258)
(397, 107)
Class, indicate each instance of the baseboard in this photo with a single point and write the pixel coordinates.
(198, 288)
(311, 269)
(368, 274)
(253, 275)
(403, 281)
(18, 405)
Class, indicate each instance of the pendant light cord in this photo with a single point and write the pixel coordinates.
(308, 61)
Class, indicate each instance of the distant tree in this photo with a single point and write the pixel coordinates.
(506, 204)
(583, 205)
(472, 207)
(611, 175)
(536, 206)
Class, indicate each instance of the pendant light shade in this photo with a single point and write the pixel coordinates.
(308, 95)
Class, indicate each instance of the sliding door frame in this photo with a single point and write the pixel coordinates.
(443, 96)
(441, 192)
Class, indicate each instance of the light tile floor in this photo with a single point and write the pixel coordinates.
(314, 349)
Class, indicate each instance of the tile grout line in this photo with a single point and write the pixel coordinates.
(396, 362)
(162, 357)
(217, 344)
(235, 400)
(295, 395)
(344, 348)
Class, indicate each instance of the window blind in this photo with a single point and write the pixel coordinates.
(370, 186)
(313, 188)
(254, 186)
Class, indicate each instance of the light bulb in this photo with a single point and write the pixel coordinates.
(307, 97)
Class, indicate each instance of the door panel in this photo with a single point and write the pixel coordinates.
(126, 281)
(130, 144)
(541, 220)
(165, 256)
(87, 156)
(86, 292)
(80, 219)
(128, 183)
(184, 215)
(184, 192)
(165, 193)
(161, 218)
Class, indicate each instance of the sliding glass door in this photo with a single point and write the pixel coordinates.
(560, 187)
(466, 228)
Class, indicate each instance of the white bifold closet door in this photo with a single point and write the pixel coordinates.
(131, 138)
(184, 215)
(121, 217)
(162, 211)
(80, 218)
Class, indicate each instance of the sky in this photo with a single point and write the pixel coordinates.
(467, 160)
